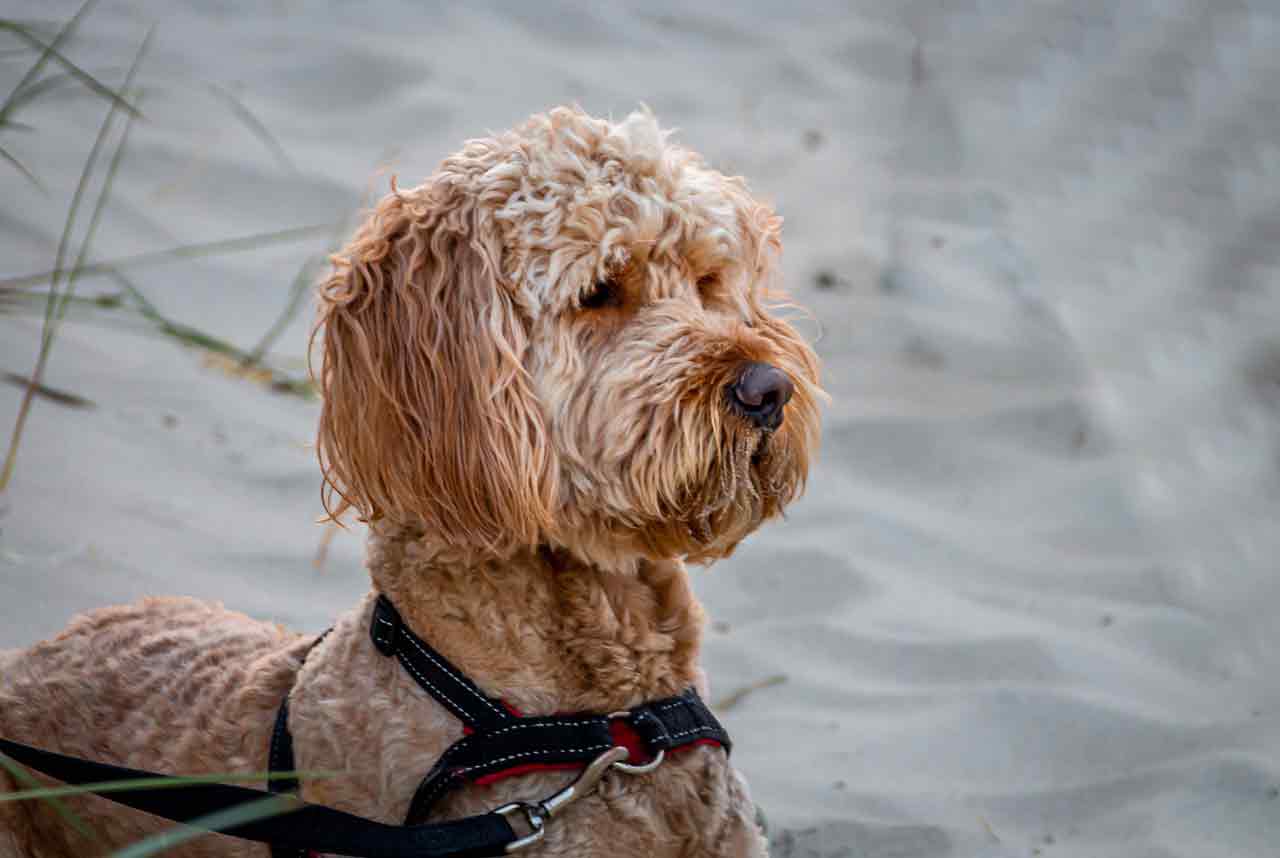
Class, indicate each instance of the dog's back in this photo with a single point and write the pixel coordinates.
(175, 686)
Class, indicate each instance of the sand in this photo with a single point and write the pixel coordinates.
(1027, 605)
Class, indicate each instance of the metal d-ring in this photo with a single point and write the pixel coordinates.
(644, 768)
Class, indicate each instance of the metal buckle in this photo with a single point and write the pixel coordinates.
(536, 814)
(532, 817)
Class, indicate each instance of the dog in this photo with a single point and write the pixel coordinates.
(551, 375)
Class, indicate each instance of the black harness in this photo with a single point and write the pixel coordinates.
(499, 743)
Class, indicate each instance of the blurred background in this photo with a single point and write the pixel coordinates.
(1028, 605)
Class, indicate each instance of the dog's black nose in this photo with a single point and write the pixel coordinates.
(760, 393)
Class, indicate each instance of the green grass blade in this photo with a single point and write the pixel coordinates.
(35, 89)
(108, 311)
(252, 811)
(302, 281)
(51, 304)
(42, 793)
(50, 50)
(113, 168)
(250, 121)
(31, 177)
(45, 55)
(51, 308)
(147, 309)
(297, 290)
(190, 336)
(184, 334)
(186, 251)
(62, 397)
(70, 817)
(48, 83)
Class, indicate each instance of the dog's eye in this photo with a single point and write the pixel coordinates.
(604, 293)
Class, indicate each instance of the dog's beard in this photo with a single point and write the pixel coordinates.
(723, 487)
(753, 477)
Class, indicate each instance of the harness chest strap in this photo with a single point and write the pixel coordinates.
(501, 743)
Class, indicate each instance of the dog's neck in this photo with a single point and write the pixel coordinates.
(539, 631)
(544, 631)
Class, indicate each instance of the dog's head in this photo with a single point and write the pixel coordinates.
(565, 337)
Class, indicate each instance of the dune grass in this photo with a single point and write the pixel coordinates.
(50, 295)
(17, 297)
(264, 808)
(249, 120)
(62, 287)
(19, 294)
(44, 793)
(31, 86)
(302, 281)
(184, 251)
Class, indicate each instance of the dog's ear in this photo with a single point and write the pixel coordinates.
(428, 416)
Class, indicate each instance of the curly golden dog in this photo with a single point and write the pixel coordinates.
(551, 374)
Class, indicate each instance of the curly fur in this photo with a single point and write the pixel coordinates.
(534, 471)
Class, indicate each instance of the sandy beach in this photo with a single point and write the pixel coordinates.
(1028, 604)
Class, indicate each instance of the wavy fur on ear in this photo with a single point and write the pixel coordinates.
(428, 416)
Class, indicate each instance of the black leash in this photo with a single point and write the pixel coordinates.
(309, 826)
(280, 759)
(499, 742)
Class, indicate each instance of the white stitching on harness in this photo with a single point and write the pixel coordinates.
(703, 729)
(436, 788)
(534, 754)
(643, 714)
(390, 639)
(464, 684)
(458, 710)
(583, 723)
(446, 778)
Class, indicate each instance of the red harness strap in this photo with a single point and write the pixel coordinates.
(499, 742)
